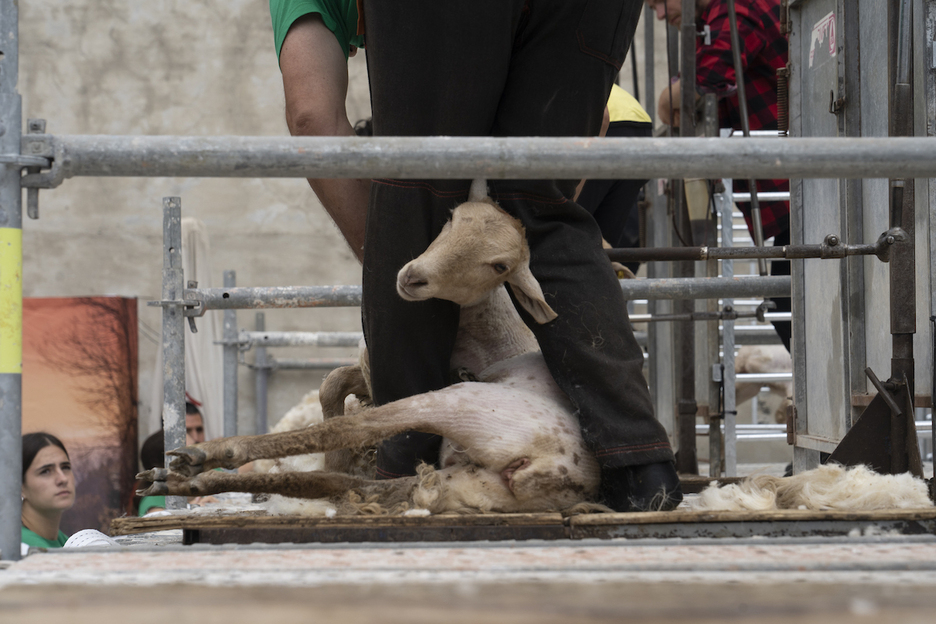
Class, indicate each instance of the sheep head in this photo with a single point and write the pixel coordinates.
(480, 248)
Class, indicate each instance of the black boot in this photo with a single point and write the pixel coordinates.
(646, 487)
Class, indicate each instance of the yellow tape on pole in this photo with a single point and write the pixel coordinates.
(11, 300)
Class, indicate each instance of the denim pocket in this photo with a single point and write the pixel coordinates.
(607, 27)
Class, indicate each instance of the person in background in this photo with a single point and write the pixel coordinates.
(151, 456)
(764, 50)
(613, 203)
(48, 490)
(314, 39)
(194, 424)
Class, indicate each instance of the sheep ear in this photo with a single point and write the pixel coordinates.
(478, 190)
(528, 292)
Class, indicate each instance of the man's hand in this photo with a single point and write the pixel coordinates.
(669, 101)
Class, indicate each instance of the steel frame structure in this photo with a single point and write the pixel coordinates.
(47, 160)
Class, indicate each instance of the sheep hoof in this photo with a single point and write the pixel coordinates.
(188, 460)
(157, 488)
(156, 474)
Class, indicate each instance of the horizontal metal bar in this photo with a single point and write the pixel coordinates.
(762, 196)
(299, 339)
(347, 296)
(767, 134)
(692, 316)
(749, 430)
(493, 158)
(275, 297)
(706, 287)
(763, 377)
(830, 248)
(312, 363)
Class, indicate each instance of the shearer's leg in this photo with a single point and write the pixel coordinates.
(559, 81)
(435, 68)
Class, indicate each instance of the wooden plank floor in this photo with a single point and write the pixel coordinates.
(517, 603)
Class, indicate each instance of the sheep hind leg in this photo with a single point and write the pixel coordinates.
(308, 485)
(367, 428)
(337, 386)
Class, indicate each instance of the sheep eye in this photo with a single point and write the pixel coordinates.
(500, 268)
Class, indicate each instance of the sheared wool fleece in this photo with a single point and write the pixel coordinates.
(829, 487)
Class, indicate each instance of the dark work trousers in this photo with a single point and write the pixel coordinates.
(613, 203)
(784, 304)
(502, 68)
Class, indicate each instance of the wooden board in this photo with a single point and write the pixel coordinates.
(779, 523)
(246, 528)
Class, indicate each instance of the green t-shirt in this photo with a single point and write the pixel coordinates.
(148, 502)
(34, 540)
(340, 17)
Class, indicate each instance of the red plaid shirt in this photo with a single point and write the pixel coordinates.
(763, 52)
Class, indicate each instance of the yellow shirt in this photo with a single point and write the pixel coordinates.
(624, 107)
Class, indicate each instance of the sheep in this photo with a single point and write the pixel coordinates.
(512, 443)
(765, 359)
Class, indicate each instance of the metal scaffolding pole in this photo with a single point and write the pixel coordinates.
(727, 372)
(263, 375)
(173, 335)
(230, 362)
(248, 339)
(202, 299)
(11, 287)
(474, 157)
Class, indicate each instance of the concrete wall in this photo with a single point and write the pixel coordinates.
(195, 67)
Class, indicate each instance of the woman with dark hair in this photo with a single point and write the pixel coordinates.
(48, 490)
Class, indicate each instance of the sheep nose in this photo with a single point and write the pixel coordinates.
(409, 276)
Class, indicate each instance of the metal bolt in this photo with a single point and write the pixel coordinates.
(890, 240)
(832, 241)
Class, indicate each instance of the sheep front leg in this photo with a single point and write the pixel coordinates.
(310, 485)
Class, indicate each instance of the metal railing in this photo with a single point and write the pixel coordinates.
(433, 157)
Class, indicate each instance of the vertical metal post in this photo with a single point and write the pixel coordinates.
(173, 335)
(746, 128)
(728, 342)
(11, 288)
(263, 375)
(928, 17)
(649, 64)
(684, 332)
(230, 362)
(710, 129)
(687, 67)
